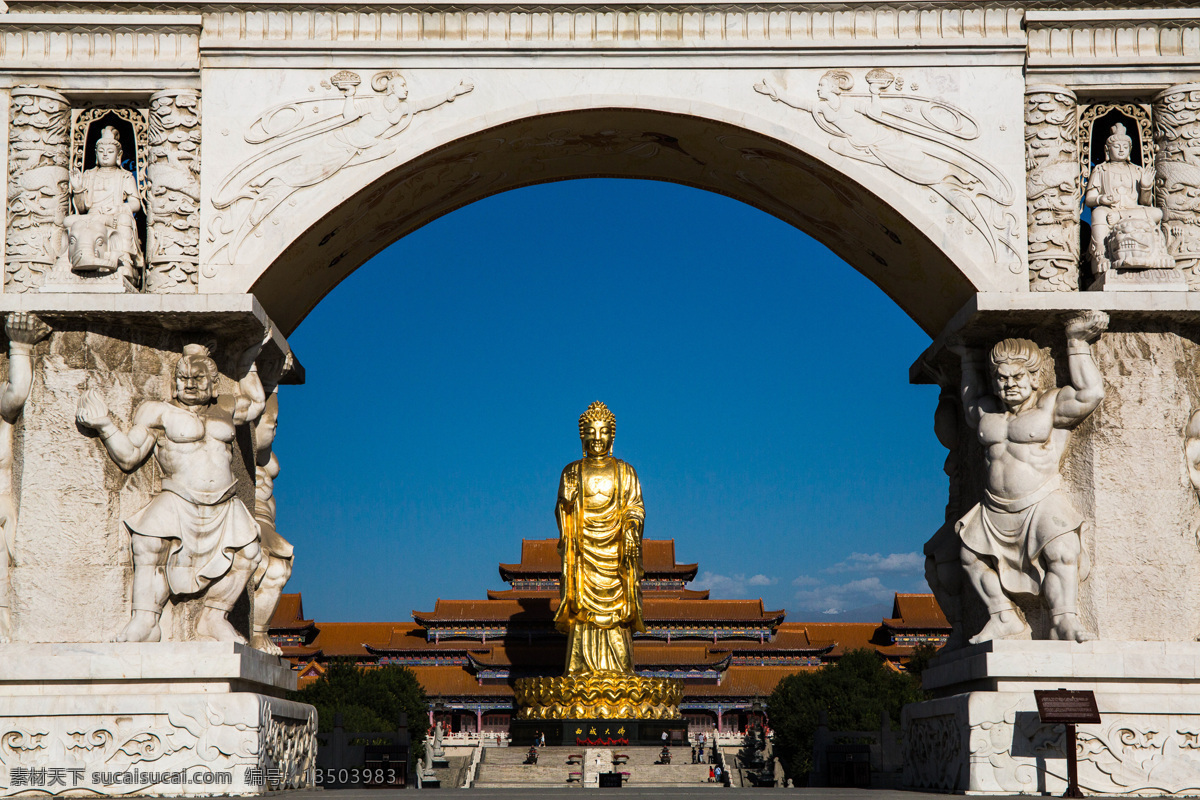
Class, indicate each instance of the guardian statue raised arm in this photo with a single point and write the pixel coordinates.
(1025, 538)
(24, 331)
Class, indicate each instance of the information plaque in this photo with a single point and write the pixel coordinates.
(1061, 705)
(1065, 707)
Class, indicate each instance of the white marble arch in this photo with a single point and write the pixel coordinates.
(514, 129)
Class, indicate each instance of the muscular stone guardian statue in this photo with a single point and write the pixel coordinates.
(102, 236)
(24, 331)
(195, 536)
(1025, 537)
(275, 568)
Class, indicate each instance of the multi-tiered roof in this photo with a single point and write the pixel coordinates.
(728, 652)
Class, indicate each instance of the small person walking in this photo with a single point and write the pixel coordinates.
(711, 775)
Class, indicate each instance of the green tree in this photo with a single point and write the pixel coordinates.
(368, 700)
(922, 654)
(855, 691)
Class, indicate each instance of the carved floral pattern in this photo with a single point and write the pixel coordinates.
(921, 139)
(1011, 751)
(1177, 182)
(38, 154)
(194, 733)
(933, 753)
(305, 143)
(1053, 188)
(173, 192)
(289, 746)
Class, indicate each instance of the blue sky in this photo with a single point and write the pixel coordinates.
(759, 384)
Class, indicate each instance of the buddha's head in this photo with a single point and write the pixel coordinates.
(597, 427)
(195, 376)
(108, 148)
(1118, 146)
(1015, 366)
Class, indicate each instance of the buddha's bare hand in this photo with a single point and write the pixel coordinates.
(1087, 327)
(25, 328)
(92, 411)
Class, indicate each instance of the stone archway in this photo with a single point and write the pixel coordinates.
(875, 237)
(935, 147)
(288, 230)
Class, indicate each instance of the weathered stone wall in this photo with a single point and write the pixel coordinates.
(74, 564)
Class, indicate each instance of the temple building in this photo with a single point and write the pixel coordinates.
(730, 654)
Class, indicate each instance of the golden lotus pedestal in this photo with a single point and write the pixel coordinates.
(602, 708)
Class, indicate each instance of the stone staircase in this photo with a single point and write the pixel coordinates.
(502, 767)
(680, 772)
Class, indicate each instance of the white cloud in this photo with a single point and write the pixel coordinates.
(806, 580)
(735, 586)
(877, 562)
(835, 598)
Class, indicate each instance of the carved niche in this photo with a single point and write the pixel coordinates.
(1127, 249)
(38, 176)
(1054, 187)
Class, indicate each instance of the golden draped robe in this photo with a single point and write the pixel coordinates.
(600, 516)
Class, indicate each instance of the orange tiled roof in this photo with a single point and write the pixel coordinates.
(654, 608)
(533, 609)
(656, 654)
(289, 614)
(917, 611)
(541, 608)
(540, 557)
(670, 594)
(457, 682)
(789, 636)
(745, 681)
(846, 636)
(350, 638)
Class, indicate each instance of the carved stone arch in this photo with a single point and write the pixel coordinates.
(896, 237)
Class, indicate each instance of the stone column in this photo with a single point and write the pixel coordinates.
(38, 158)
(1177, 184)
(1053, 188)
(173, 189)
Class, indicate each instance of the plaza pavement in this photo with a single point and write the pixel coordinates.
(658, 792)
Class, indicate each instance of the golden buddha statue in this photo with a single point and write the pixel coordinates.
(600, 516)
